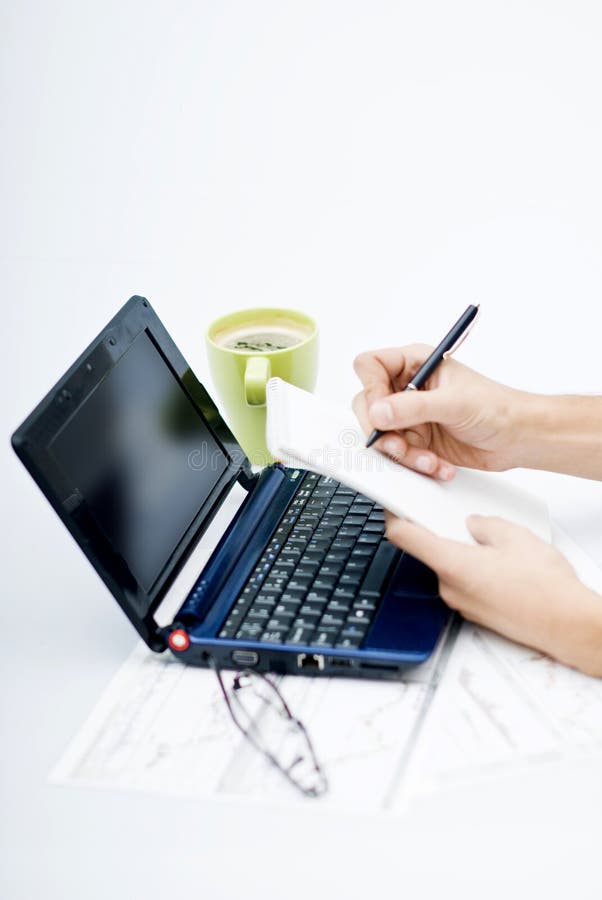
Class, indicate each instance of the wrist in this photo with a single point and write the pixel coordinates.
(579, 639)
(558, 434)
(525, 414)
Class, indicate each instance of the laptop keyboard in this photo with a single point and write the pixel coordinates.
(317, 586)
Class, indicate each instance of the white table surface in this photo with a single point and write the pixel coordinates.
(379, 165)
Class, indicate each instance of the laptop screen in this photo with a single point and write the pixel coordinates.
(142, 457)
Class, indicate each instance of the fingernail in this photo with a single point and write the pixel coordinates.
(382, 414)
(391, 446)
(425, 464)
(445, 473)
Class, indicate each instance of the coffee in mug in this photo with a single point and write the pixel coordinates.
(248, 347)
(263, 337)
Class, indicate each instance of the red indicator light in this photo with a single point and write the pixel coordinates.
(179, 640)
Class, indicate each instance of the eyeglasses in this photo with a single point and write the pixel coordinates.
(263, 716)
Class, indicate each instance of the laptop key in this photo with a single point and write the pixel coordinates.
(290, 557)
(265, 600)
(331, 570)
(374, 526)
(259, 614)
(285, 610)
(305, 570)
(319, 545)
(360, 617)
(277, 636)
(350, 578)
(349, 643)
(273, 589)
(325, 637)
(293, 596)
(301, 529)
(308, 517)
(229, 629)
(298, 583)
(343, 593)
(363, 550)
(311, 611)
(341, 543)
(249, 630)
(326, 533)
(324, 584)
(354, 632)
(360, 509)
(341, 500)
(312, 556)
(299, 635)
(278, 623)
(305, 622)
(354, 520)
(339, 606)
(320, 597)
(369, 537)
(380, 568)
(335, 556)
(365, 603)
(331, 620)
(281, 571)
(357, 565)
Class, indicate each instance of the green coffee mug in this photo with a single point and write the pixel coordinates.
(247, 348)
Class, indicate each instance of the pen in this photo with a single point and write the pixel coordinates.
(448, 345)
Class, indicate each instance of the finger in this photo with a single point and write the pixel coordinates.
(418, 458)
(359, 405)
(448, 558)
(390, 366)
(394, 446)
(496, 532)
(409, 408)
(407, 449)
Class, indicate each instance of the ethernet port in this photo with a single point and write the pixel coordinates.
(309, 661)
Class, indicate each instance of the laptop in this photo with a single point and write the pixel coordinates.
(135, 458)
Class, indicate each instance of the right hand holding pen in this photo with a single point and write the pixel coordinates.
(459, 418)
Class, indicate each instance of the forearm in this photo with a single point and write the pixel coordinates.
(577, 637)
(560, 434)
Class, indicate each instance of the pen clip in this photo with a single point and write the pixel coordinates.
(462, 337)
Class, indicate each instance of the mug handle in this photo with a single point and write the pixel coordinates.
(257, 373)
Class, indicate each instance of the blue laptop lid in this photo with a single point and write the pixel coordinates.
(134, 457)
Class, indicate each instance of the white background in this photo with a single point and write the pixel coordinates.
(377, 164)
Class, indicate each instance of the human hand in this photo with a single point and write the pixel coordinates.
(460, 418)
(515, 584)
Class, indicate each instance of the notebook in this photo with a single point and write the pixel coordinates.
(306, 432)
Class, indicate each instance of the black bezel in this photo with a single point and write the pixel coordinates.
(32, 439)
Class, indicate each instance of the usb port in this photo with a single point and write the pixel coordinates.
(245, 657)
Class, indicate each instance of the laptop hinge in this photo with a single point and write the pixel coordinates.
(247, 477)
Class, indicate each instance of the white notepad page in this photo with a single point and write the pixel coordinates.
(305, 432)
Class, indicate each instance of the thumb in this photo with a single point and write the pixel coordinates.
(408, 408)
(493, 531)
(437, 552)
